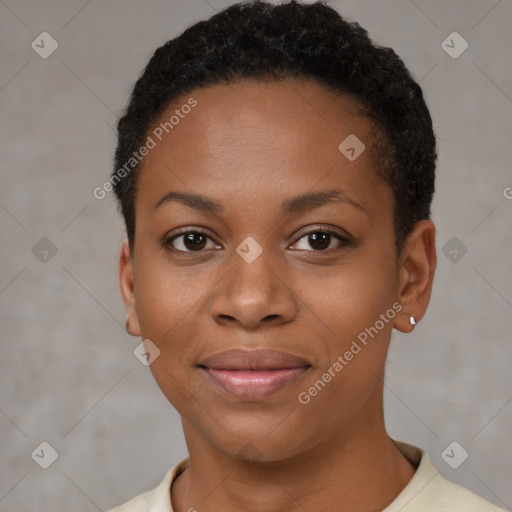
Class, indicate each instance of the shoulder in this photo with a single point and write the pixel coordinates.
(157, 499)
(137, 504)
(461, 499)
(429, 491)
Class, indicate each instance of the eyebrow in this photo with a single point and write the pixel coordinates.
(295, 204)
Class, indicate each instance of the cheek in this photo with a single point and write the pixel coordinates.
(349, 297)
(165, 294)
(165, 299)
(165, 303)
(352, 316)
(350, 309)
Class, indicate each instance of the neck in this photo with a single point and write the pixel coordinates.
(357, 469)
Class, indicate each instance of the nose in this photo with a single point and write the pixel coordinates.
(255, 294)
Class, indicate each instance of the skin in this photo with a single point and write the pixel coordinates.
(251, 146)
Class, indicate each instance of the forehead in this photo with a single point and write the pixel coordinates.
(275, 109)
(249, 135)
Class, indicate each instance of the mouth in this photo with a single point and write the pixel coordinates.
(253, 375)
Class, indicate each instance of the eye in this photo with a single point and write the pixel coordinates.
(321, 239)
(191, 240)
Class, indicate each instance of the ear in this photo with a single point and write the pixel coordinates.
(416, 274)
(127, 289)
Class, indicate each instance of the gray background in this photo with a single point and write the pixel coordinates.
(68, 373)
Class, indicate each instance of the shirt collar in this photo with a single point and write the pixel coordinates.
(425, 473)
(160, 498)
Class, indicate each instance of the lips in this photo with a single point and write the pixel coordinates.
(260, 359)
(253, 375)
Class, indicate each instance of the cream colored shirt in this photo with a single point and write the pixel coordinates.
(427, 491)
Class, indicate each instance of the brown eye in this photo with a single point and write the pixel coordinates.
(191, 241)
(321, 240)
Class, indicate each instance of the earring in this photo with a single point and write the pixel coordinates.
(412, 320)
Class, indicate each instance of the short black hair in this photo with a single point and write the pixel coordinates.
(262, 41)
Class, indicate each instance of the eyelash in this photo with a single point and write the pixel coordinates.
(344, 241)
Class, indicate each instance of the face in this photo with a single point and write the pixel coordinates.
(290, 247)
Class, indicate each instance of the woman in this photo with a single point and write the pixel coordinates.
(275, 170)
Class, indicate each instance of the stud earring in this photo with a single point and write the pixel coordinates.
(412, 320)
